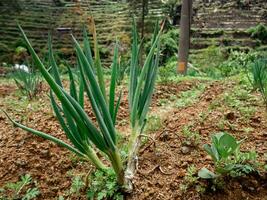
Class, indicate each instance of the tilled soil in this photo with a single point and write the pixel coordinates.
(163, 162)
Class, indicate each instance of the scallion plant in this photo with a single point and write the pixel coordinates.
(142, 81)
(28, 82)
(259, 81)
(81, 131)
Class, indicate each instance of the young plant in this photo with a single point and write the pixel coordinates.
(104, 186)
(28, 82)
(82, 132)
(228, 160)
(259, 81)
(19, 191)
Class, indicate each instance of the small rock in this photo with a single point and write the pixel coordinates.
(230, 116)
(20, 163)
(45, 153)
(185, 150)
(181, 173)
(190, 160)
(165, 136)
(208, 157)
(184, 164)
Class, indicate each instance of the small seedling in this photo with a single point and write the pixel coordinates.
(153, 124)
(228, 160)
(19, 189)
(190, 178)
(192, 137)
(28, 82)
(77, 185)
(103, 186)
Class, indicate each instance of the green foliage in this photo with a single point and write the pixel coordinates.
(76, 186)
(237, 62)
(21, 189)
(104, 186)
(192, 137)
(228, 160)
(142, 79)
(187, 98)
(79, 128)
(153, 123)
(240, 99)
(259, 81)
(171, 2)
(29, 83)
(208, 61)
(20, 50)
(169, 70)
(217, 63)
(259, 32)
(190, 178)
(169, 45)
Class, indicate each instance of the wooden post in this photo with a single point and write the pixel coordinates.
(184, 41)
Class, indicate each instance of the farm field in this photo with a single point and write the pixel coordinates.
(133, 100)
(185, 112)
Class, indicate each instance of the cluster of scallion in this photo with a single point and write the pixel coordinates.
(85, 136)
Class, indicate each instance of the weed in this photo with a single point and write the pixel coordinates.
(153, 124)
(189, 97)
(28, 82)
(76, 186)
(103, 186)
(203, 116)
(167, 72)
(192, 137)
(237, 62)
(258, 32)
(239, 99)
(163, 102)
(21, 189)
(190, 179)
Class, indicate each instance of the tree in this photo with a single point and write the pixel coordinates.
(174, 10)
(184, 41)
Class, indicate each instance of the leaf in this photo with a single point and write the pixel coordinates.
(46, 136)
(31, 194)
(87, 48)
(206, 174)
(141, 81)
(73, 91)
(98, 97)
(112, 90)
(211, 151)
(227, 145)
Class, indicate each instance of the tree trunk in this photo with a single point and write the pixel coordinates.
(184, 41)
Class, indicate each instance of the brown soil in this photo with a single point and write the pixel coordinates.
(162, 164)
(4, 71)
(6, 90)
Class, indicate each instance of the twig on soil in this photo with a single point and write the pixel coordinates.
(153, 141)
(163, 172)
(154, 168)
(87, 179)
(150, 171)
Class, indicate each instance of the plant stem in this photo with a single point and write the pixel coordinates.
(116, 162)
(95, 160)
(133, 147)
